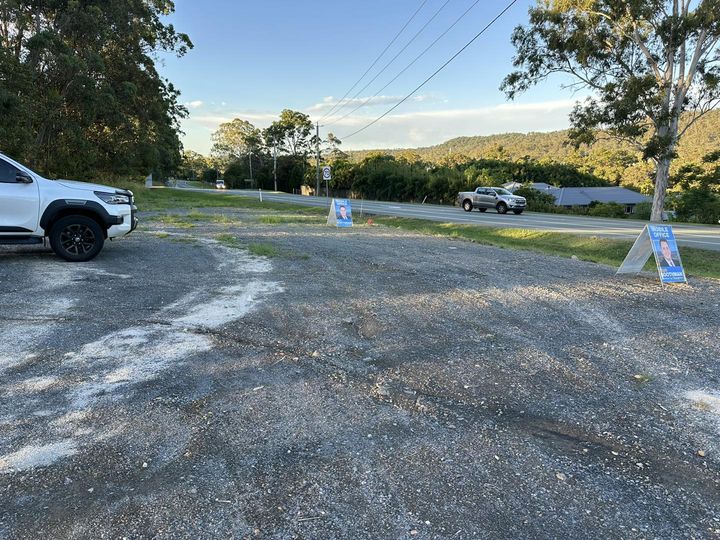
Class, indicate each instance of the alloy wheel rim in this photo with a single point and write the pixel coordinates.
(77, 239)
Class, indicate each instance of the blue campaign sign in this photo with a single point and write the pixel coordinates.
(667, 255)
(343, 213)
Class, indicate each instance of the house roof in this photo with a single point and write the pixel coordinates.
(583, 196)
(542, 186)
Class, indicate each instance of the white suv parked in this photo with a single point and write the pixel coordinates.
(76, 217)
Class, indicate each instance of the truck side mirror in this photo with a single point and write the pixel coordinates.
(23, 178)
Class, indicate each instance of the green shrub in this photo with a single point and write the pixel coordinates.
(643, 211)
(609, 209)
(698, 206)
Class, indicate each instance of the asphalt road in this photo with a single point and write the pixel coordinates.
(697, 236)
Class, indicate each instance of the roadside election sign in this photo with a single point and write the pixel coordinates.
(658, 240)
(340, 213)
(327, 173)
(667, 254)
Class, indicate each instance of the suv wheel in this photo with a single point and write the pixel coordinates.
(502, 208)
(76, 238)
(467, 205)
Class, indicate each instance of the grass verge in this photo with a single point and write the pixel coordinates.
(187, 221)
(697, 262)
(156, 199)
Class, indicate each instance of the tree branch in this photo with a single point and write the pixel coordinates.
(648, 56)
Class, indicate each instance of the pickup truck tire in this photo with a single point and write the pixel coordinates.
(467, 205)
(501, 208)
(482, 209)
(517, 212)
(76, 238)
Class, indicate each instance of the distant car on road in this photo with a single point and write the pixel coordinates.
(491, 197)
(220, 184)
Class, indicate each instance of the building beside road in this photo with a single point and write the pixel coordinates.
(585, 196)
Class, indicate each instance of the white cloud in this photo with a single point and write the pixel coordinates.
(433, 127)
(412, 129)
(194, 104)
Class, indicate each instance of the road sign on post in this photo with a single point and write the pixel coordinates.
(327, 175)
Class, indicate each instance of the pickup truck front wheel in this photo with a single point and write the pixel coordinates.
(501, 208)
(76, 238)
(467, 205)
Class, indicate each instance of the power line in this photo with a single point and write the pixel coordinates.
(361, 105)
(403, 100)
(422, 4)
(398, 54)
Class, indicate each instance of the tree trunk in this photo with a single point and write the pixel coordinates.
(662, 175)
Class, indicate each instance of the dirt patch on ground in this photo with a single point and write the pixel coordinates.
(362, 383)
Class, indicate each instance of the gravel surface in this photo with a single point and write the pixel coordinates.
(364, 383)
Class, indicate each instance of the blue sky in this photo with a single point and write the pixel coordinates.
(252, 59)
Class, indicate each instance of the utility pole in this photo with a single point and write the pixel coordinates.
(252, 184)
(275, 165)
(317, 159)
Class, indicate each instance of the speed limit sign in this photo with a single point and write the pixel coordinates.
(326, 173)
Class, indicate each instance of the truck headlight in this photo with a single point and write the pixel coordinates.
(112, 198)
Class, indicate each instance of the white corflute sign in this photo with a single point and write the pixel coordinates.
(340, 213)
(660, 241)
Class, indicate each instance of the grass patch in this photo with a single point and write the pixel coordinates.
(187, 221)
(212, 218)
(174, 220)
(291, 218)
(697, 262)
(228, 240)
(264, 250)
(184, 240)
(256, 248)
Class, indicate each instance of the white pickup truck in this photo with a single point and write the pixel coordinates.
(76, 217)
(491, 197)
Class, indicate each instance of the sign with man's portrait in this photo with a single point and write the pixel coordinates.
(667, 255)
(340, 213)
(660, 241)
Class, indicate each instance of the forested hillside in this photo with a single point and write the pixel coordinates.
(607, 159)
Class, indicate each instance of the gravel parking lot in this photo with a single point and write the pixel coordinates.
(364, 383)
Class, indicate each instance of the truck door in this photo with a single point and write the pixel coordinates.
(19, 202)
(483, 198)
(477, 198)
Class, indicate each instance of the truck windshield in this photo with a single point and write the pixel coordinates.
(502, 191)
